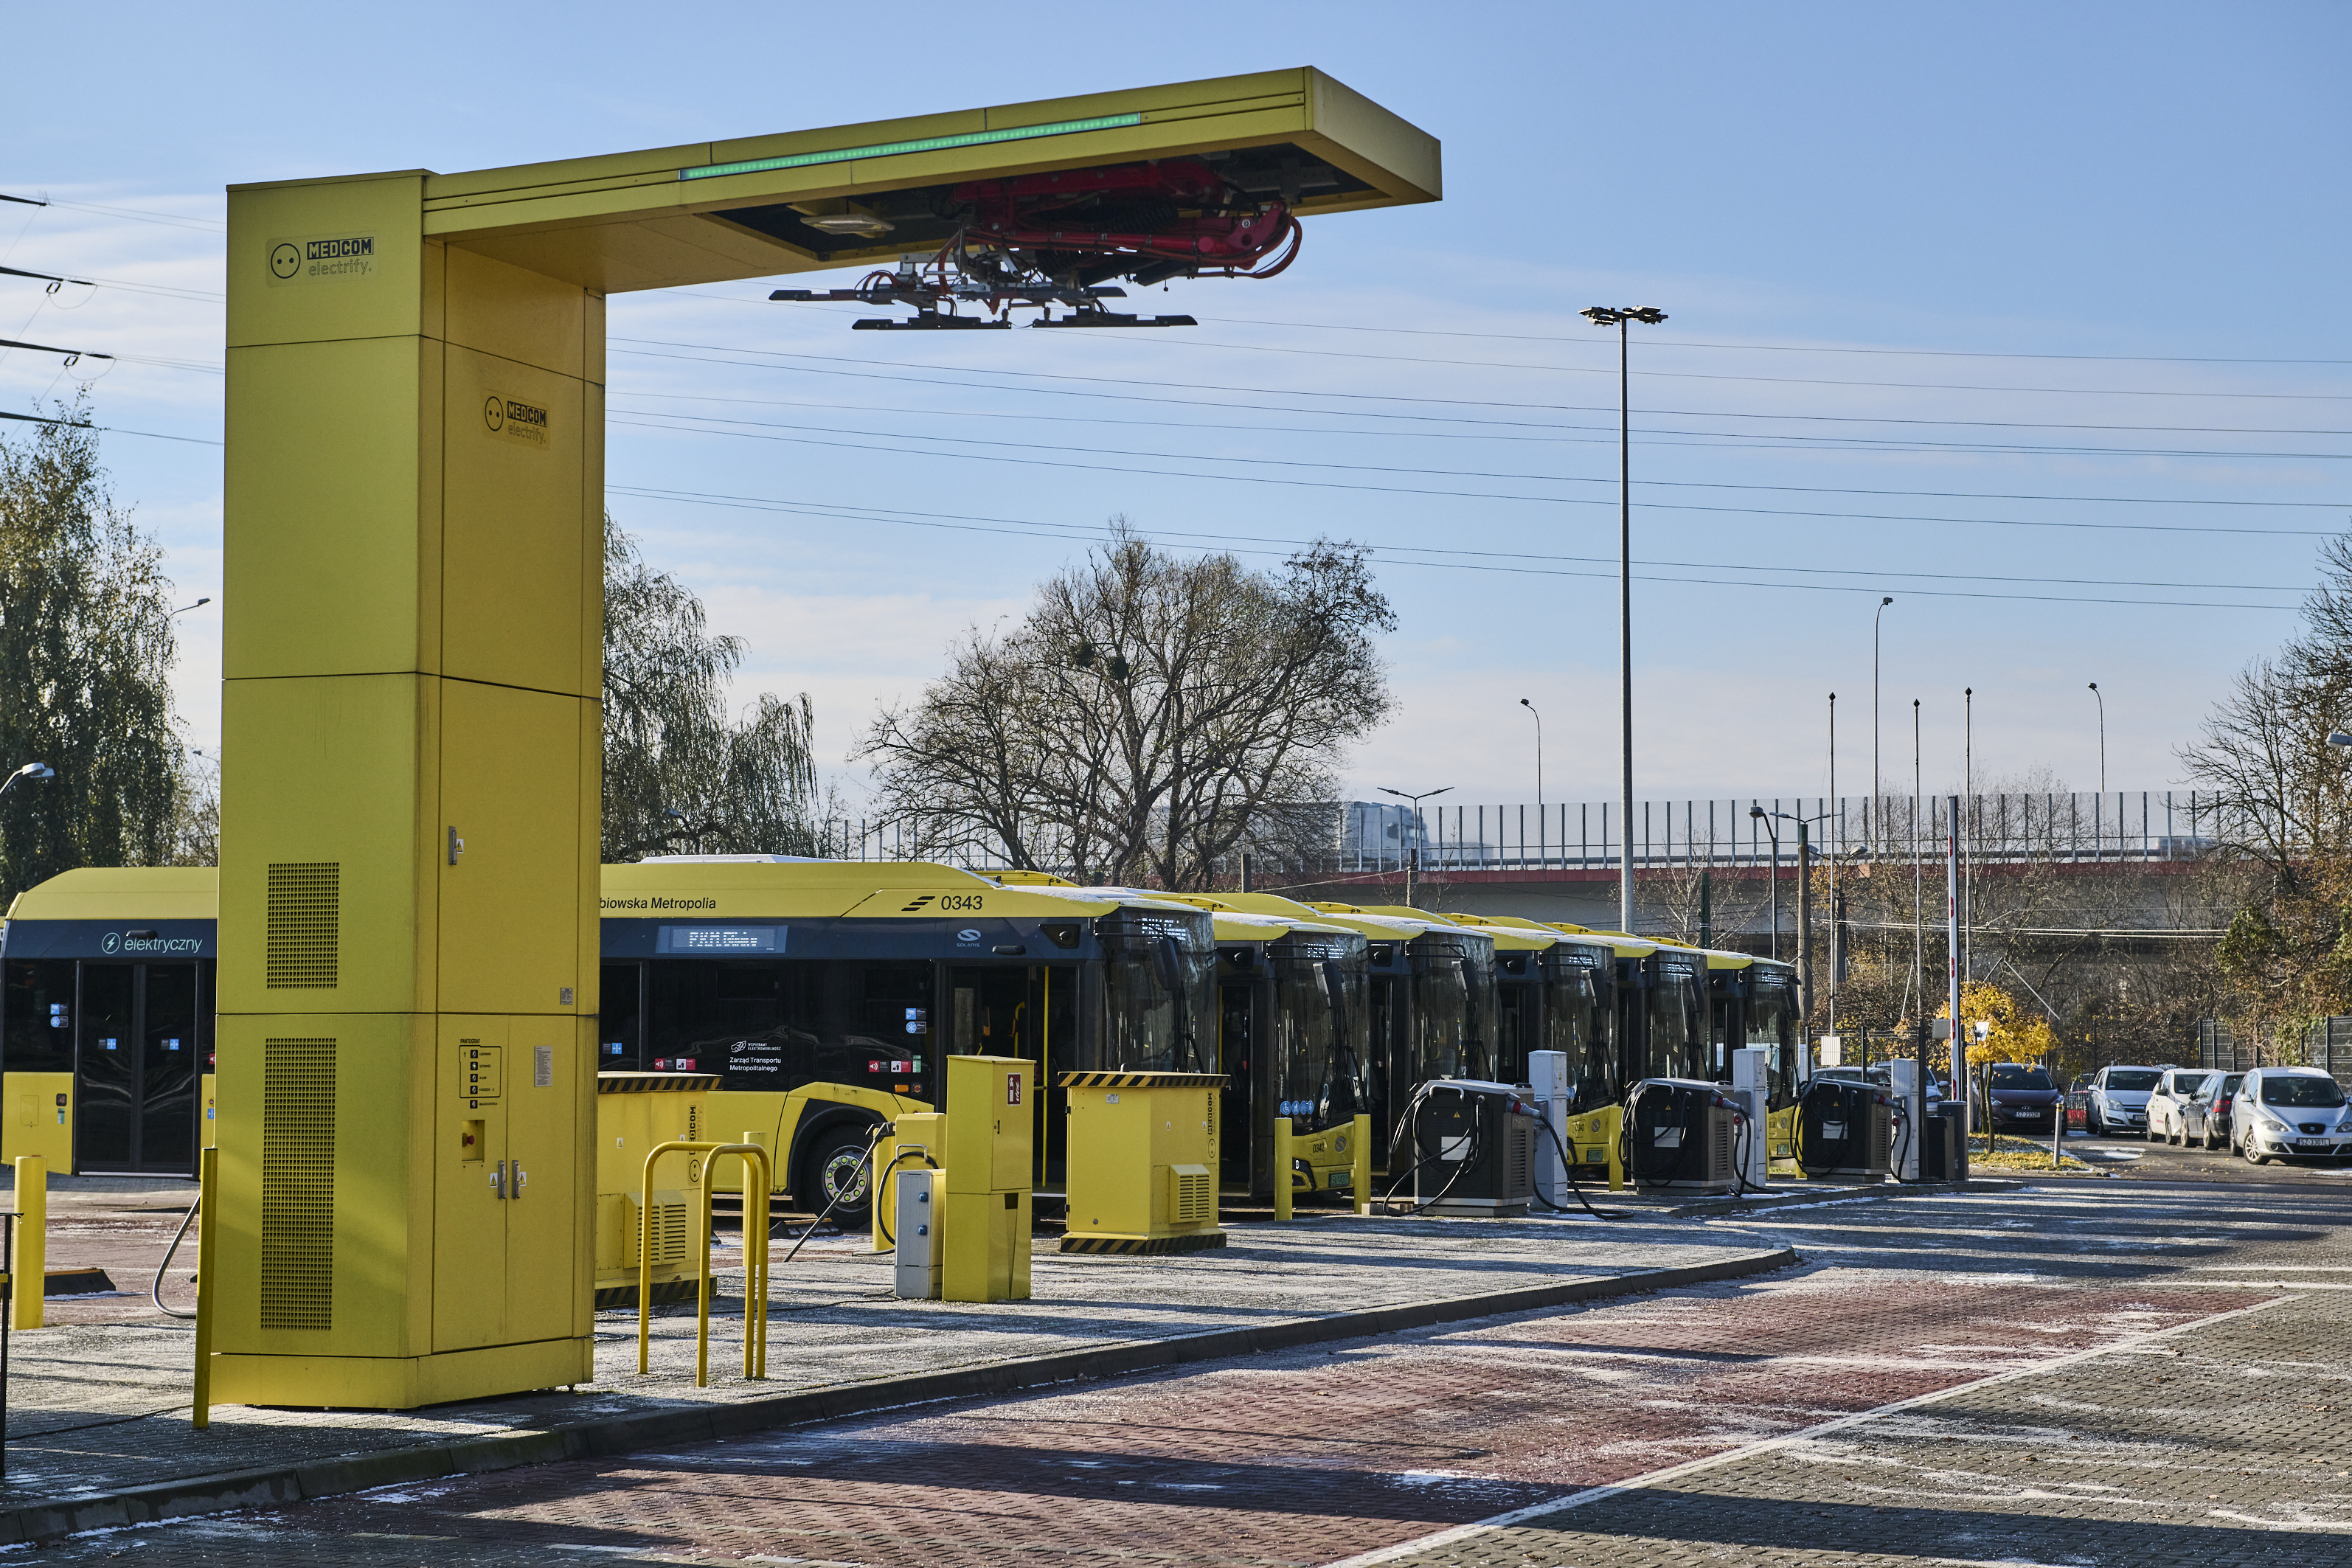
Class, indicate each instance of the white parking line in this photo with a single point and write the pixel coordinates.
(1765, 1445)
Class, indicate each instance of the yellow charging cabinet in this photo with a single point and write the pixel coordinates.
(1142, 1162)
(40, 1119)
(984, 1225)
(1781, 1143)
(635, 1112)
(413, 535)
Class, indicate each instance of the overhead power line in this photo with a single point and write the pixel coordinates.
(1667, 341)
(179, 220)
(1737, 441)
(941, 521)
(1472, 495)
(1179, 339)
(1394, 397)
(108, 429)
(1548, 478)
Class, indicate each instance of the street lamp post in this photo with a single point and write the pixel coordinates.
(1542, 858)
(2103, 737)
(1617, 317)
(29, 771)
(1869, 818)
(1413, 856)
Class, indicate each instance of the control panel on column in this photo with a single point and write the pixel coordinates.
(474, 1183)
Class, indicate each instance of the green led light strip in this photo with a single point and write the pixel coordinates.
(920, 144)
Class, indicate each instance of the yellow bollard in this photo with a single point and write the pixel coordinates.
(32, 1239)
(1360, 1165)
(1282, 1158)
(207, 1178)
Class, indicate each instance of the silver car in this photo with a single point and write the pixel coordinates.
(2168, 1105)
(2205, 1120)
(2119, 1100)
(2282, 1113)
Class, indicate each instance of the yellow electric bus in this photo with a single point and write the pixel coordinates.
(820, 994)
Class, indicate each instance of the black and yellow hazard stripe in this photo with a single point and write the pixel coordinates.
(1142, 1080)
(1142, 1246)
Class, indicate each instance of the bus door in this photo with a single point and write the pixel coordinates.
(620, 1017)
(1029, 1011)
(1241, 1019)
(1518, 1013)
(137, 1055)
(1388, 1073)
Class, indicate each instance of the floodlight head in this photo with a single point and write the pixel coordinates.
(1600, 315)
(1886, 600)
(2095, 685)
(1648, 315)
(36, 770)
(1755, 811)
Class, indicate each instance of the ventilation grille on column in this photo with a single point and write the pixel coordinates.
(1191, 1199)
(305, 925)
(297, 1184)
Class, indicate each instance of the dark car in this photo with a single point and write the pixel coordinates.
(2019, 1096)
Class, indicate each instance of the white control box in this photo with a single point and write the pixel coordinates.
(1903, 1080)
(1753, 1094)
(916, 1274)
(1547, 1084)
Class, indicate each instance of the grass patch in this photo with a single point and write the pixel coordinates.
(2009, 1154)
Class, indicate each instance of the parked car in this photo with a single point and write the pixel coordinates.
(2120, 1098)
(2206, 1116)
(2017, 1095)
(2168, 1104)
(2290, 1113)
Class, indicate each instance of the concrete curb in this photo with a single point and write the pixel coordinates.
(271, 1487)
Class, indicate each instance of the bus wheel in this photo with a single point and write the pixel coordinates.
(835, 1173)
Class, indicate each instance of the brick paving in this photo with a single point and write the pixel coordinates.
(1741, 1414)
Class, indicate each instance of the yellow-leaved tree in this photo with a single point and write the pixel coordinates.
(2017, 1031)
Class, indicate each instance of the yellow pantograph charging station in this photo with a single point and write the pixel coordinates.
(411, 745)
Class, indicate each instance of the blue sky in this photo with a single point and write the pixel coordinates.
(1863, 220)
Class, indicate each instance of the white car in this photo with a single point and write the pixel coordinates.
(2168, 1105)
(2119, 1100)
(2290, 1113)
(2206, 1118)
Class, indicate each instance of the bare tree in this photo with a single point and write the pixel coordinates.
(1151, 716)
(2284, 811)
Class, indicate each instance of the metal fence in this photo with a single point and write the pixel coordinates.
(2223, 1047)
(2124, 826)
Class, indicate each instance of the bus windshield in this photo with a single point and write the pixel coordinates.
(1453, 1006)
(1772, 1028)
(1581, 1022)
(1321, 1029)
(1155, 990)
(1679, 1020)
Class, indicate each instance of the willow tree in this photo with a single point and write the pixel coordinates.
(1152, 715)
(681, 773)
(86, 655)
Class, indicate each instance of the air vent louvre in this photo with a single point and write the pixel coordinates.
(305, 926)
(1192, 1200)
(298, 1184)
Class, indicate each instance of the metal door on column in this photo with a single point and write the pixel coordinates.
(136, 1067)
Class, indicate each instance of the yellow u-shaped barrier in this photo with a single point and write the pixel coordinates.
(755, 1258)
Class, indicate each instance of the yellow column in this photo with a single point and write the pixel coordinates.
(32, 1240)
(1282, 1158)
(207, 1188)
(409, 808)
(1360, 1165)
